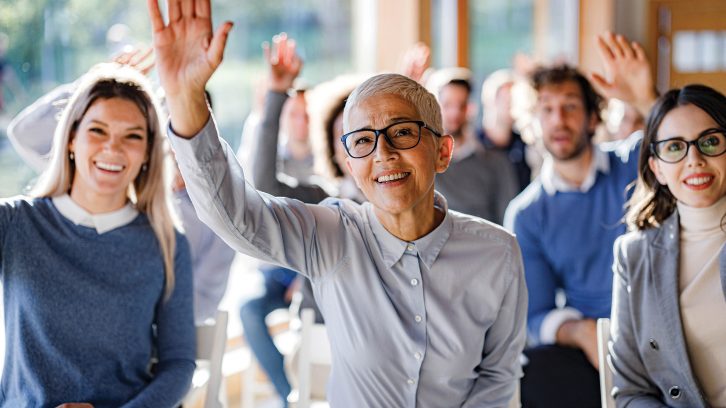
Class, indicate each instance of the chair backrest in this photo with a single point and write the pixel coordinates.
(211, 343)
(606, 375)
(314, 351)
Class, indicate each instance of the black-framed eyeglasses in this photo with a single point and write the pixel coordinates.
(710, 142)
(400, 135)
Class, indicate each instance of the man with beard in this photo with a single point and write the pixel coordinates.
(479, 181)
(566, 222)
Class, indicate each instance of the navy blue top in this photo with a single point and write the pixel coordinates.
(84, 312)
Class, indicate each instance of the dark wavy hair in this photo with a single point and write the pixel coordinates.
(558, 74)
(653, 202)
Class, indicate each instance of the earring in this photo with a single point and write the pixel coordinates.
(144, 167)
(71, 156)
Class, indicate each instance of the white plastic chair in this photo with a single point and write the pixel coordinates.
(285, 340)
(314, 352)
(606, 375)
(211, 343)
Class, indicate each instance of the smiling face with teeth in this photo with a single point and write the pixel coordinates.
(399, 183)
(697, 180)
(110, 146)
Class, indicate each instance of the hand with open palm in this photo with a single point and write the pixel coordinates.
(627, 72)
(284, 62)
(188, 52)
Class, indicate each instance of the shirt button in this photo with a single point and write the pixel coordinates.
(417, 355)
(675, 392)
(414, 282)
(410, 247)
(417, 319)
(411, 381)
(653, 344)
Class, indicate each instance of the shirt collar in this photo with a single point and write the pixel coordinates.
(101, 222)
(427, 247)
(553, 182)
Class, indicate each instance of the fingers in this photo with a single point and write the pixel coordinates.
(125, 56)
(139, 56)
(282, 52)
(600, 83)
(266, 51)
(174, 9)
(614, 45)
(187, 8)
(157, 22)
(202, 9)
(219, 41)
(147, 67)
(279, 48)
(603, 48)
(624, 47)
(291, 57)
(639, 52)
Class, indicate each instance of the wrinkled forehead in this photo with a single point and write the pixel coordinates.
(378, 111)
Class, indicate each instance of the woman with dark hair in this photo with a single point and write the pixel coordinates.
(670, 270)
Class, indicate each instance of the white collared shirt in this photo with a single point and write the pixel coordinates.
(552, 182)
(451, 326)
(101, 222)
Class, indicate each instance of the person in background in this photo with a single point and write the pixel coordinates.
(295, 150)
(399, 272)
(479, 181)
(497, 132)
(211, 257)
(283, 117)
(667, 342)
(566, 220)
(112, 287)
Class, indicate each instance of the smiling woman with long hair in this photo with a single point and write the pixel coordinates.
(669, 295)
(96, 279)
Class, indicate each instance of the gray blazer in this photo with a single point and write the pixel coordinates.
(647, 350)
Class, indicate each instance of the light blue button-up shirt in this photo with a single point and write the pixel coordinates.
(437, 322)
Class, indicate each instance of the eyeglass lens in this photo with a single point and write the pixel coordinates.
(399, 136)
(674, 150)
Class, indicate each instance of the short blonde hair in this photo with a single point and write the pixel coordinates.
(395, 84)
(150, 190)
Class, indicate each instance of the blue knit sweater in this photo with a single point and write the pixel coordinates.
(567, 240)
(84, 312)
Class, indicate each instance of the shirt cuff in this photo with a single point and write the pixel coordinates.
(552, 322)
(201, 146)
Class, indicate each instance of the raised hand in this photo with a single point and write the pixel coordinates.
(285, 64)
(416, 61)
(627, 72)
(137, 59)
(187, 54)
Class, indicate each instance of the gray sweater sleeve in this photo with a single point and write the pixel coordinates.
(264, 162)
(31, 131)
